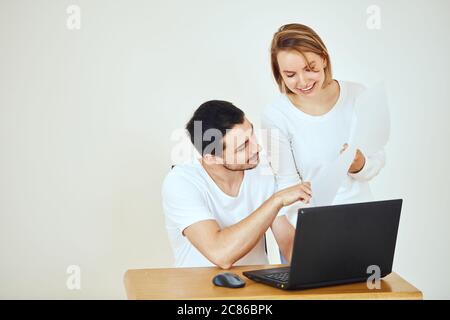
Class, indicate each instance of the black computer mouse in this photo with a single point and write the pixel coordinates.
(228, 280)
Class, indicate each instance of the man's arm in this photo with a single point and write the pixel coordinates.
(224, 247)
(284, 233)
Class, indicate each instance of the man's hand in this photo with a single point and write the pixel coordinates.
(288, 196)
(359, 161)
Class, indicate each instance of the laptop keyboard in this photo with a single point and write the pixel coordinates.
(279, 276)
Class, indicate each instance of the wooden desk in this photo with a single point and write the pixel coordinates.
(196, 283)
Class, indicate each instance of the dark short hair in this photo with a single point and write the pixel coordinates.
(214, 114)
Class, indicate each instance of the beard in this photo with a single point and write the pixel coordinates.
(251, 164)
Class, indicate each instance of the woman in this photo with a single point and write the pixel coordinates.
(309, 123)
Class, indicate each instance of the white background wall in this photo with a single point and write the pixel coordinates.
(86, 118)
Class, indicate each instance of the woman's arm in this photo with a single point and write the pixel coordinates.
(372, 166)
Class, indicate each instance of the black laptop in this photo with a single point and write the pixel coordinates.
(336, 245)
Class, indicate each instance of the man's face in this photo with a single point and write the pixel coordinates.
(241, 149)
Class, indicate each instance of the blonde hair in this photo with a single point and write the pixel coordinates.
(300, 38)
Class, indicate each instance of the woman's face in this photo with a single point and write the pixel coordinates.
(297, 76)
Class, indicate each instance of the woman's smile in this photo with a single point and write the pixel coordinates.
(308, 89)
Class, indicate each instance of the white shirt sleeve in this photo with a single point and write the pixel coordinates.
(279, 151)
(372, 167)
(281, 158)
(183, 202)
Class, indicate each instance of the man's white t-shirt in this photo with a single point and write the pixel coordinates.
(190, 195)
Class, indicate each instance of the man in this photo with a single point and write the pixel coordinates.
(219, 207)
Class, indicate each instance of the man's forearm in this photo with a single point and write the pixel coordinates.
(287, 245)
(237, 240)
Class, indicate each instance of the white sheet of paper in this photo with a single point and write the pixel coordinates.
(326, 183)
(372, 122)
